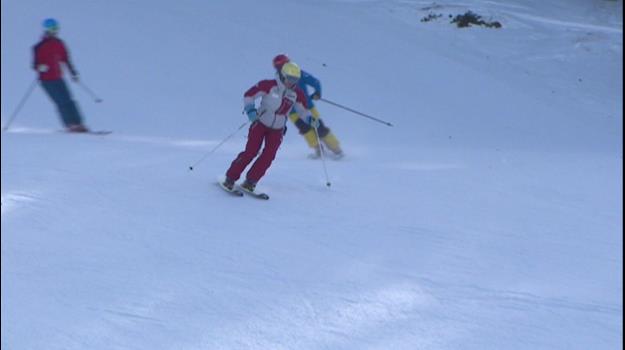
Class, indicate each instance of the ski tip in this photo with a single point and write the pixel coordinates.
(258, 195)
(262, 196)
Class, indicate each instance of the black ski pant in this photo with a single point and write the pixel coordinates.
(59, 93)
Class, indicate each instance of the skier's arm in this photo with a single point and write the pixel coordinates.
(313, 82)
(300, 106)
(68, 62)
(35, 57)
(249, 98)
(260, 89)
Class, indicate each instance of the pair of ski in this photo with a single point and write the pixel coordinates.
(241, 191)
(90, 132)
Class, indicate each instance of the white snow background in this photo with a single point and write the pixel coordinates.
(488, 217)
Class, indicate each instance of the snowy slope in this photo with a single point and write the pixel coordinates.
(489, 217)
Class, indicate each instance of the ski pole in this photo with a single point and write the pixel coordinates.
(21, 104)
(356, 112)
(323, 157)
(216, 147)
(89, 91)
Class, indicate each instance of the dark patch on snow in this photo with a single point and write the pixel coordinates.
(469, 18)
(465, 20)
(431, 17)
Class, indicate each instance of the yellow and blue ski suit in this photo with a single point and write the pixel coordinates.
(325, 134)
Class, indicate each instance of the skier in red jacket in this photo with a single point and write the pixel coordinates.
(277, 98)
(49, 55)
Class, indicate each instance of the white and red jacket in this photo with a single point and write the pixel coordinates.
(276, 102)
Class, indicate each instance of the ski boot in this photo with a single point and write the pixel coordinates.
(316, 154)
(77, 128)
(248, 186)
(228, 184)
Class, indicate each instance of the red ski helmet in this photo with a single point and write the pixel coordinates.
(280, 60)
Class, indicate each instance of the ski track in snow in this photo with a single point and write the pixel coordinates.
(14, 200)
(167, 141)
(441, 317)
(426, 166)
(321, 322)
(566, 24)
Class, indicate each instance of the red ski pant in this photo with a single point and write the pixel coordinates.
(257, 134)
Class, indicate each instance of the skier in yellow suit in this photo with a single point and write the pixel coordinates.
(306, 127)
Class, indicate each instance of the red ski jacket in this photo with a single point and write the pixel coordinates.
(51, 51)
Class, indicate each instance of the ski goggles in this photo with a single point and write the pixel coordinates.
(291, 80)
(52, 30)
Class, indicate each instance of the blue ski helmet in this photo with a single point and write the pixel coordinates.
(51, 25)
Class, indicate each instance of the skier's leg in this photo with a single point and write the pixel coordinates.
(299, 123)
(333, 143)
(254, 141)
(311, 139)
(305, 130)
(55, 92)
(69, 106)
(326, 135)
(273, 139)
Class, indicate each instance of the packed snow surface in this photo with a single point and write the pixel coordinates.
(488, 217)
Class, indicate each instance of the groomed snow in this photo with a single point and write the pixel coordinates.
(488, 217)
